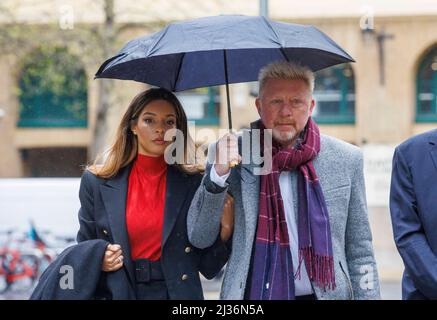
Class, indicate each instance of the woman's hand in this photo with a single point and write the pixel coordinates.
(227, 222)
(113, 258)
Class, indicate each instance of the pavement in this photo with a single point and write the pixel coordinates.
(390, 290)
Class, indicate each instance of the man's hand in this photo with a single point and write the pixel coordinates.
(226, 153)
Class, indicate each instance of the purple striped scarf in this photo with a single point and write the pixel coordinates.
(272, 269)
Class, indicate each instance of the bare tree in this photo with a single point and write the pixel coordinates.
(108, 38)
(95, 42)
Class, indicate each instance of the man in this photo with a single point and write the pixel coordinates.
(413, 207)
(301, 231)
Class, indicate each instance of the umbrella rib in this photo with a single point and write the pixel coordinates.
(284, 54)
(179, 71)
(153, 46)
(281, 48)
(267, 22)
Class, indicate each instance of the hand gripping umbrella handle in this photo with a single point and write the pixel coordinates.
(233, 163)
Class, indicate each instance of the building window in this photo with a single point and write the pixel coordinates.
(334, 94)
(52, 90)
(53, 162)
(202, 105)
(426, 102)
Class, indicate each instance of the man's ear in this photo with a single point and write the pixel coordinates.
(258, 105)
(312, 105)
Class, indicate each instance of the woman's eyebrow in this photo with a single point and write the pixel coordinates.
(151, 113)
(154, 114)
(170, 114)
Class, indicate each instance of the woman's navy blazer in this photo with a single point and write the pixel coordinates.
(103, 216)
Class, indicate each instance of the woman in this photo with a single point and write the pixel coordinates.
(139, 203)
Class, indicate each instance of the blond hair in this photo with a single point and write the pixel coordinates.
(288, 71)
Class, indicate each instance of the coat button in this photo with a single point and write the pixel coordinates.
(105, 232)
(187, 249)
(184, 277)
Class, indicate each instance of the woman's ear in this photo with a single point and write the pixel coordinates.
(133, 128)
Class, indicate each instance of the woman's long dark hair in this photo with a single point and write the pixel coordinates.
(125, 148)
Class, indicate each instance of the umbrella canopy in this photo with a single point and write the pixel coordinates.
(219, 50)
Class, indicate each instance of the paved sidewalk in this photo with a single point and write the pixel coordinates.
(389, 291)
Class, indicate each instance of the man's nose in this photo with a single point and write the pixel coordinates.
(286, 110)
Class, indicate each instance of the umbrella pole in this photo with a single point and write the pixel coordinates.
(227, 92)
(233, 163)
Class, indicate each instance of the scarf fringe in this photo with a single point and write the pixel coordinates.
(320, 268)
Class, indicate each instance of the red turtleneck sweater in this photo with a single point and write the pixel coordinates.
(145, 206)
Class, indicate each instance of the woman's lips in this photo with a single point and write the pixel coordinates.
(159, 141)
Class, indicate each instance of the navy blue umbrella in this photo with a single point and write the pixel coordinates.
(219, 50)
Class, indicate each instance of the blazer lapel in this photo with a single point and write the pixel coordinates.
(175, 195)
(250, 184)
(433, 148)
(114, 195)
(250, 196)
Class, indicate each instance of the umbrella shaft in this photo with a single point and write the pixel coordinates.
(228, 100)
(229, 107)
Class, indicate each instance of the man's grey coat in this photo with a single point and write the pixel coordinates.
(339, 167)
